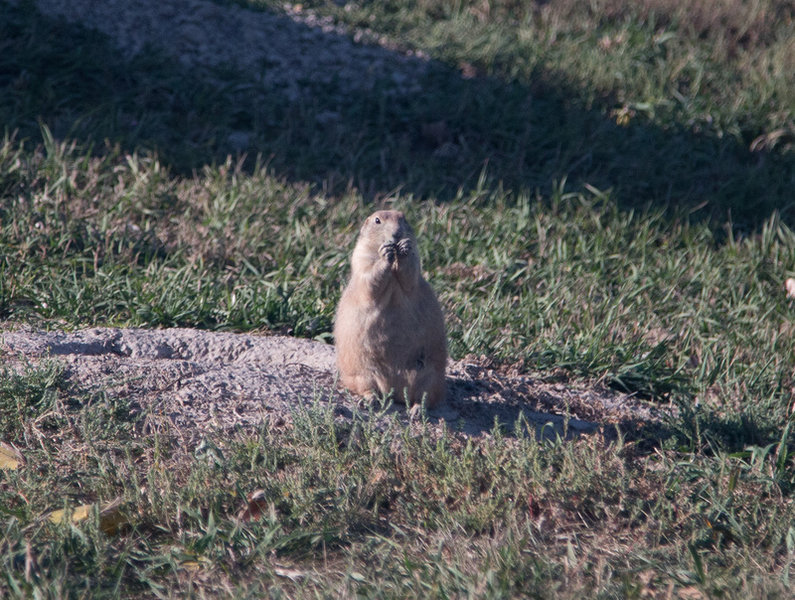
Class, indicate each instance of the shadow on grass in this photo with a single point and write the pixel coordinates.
(443, 136)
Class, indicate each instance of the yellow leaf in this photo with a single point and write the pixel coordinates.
(194, 565)
(191, 565)
(111, 518)
(78, 514)
(10, 457)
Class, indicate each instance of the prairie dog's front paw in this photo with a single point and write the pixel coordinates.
(387, 251)
(404, 247)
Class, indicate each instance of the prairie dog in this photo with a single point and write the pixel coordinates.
(389, 328)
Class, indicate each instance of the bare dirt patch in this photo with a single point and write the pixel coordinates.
(200, 381)
(293, 52)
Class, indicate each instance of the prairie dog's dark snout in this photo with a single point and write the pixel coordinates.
(397, 232)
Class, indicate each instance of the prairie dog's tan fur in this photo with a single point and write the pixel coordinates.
(389, 328)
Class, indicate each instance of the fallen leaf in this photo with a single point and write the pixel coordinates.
(10, 457)
(256, 505)
(111, 519)
(533, 507)
(190, 560)
(77, 515)
(291, 574)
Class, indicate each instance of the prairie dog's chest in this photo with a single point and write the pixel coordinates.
(397, 311)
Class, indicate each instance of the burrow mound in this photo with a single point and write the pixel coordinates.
(201, 381)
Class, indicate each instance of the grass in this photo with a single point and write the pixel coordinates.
(352, 510)
(639, 97)
(618, 208)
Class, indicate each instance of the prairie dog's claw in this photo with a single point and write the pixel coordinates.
(404, 247)
(388, 251)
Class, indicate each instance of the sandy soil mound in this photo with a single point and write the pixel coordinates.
(200, 381)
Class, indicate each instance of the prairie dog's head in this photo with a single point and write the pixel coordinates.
(386, 227)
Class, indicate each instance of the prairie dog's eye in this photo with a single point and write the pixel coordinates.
(377, 221)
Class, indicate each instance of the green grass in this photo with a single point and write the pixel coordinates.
(353, 510)
(619, 209)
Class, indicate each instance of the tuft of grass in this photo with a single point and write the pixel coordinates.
(28, 401)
